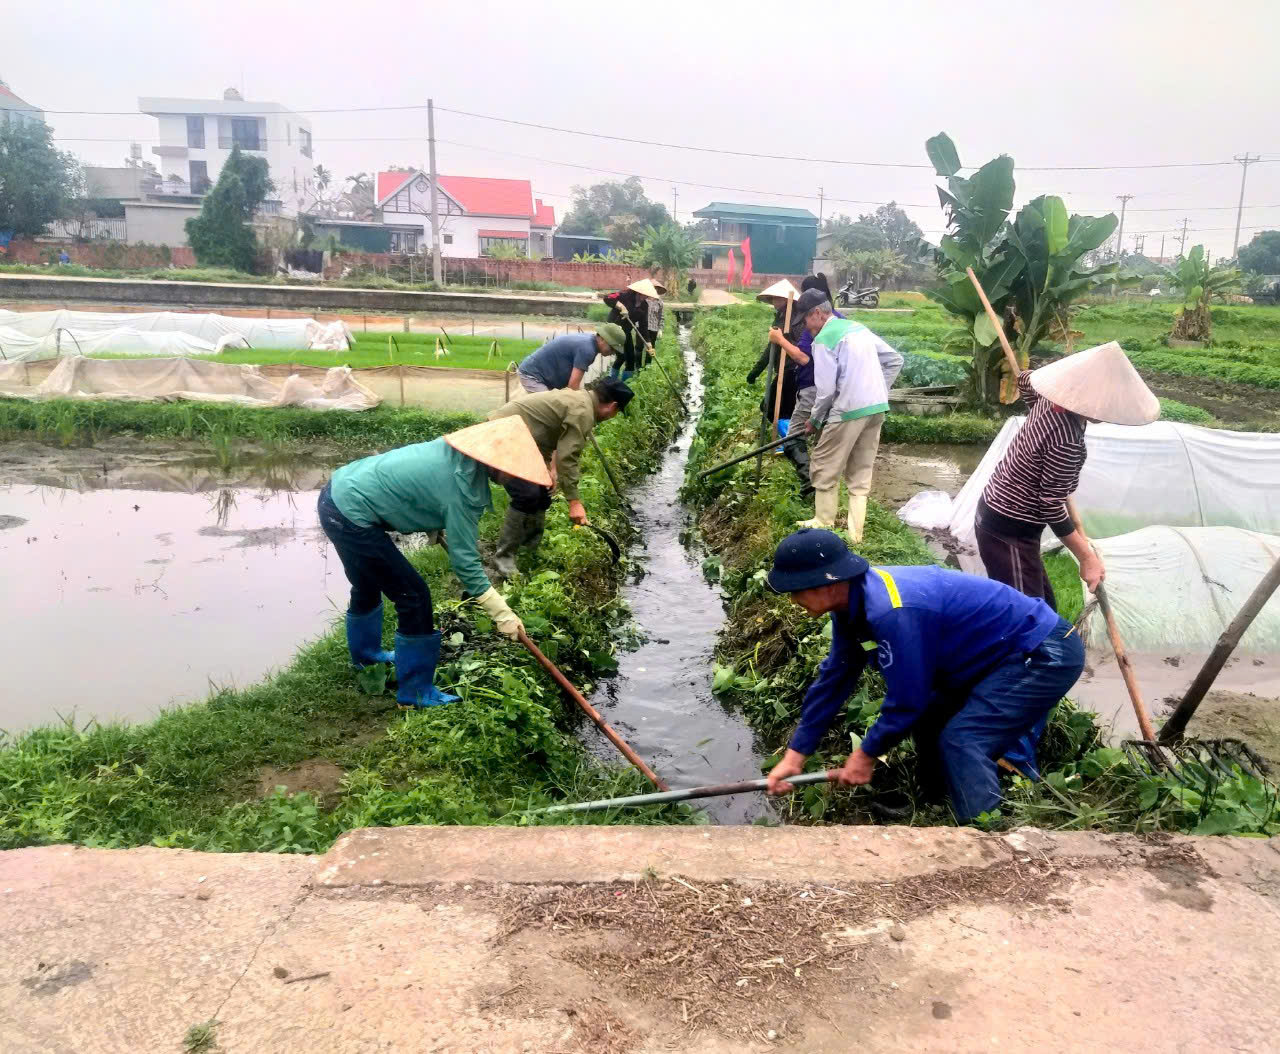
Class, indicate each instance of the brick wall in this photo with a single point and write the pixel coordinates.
(103, 254)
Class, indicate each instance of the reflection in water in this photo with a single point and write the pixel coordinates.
(138, 585)
(661, 701)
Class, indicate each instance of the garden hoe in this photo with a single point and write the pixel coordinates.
(592, 712)
(687, 794)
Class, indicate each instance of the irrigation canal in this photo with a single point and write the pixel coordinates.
(661, 700)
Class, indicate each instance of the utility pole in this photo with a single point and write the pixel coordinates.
(1245, 161)
(1182, 245)
(1161, 250)
(1139, 244)
(436, 270)
(820, 200)
(675, 204)
(1124, 201)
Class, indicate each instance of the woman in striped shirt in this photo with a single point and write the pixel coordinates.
(1041, 469)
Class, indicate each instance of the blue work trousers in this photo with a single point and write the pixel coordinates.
(374, 566)
(1011, 702)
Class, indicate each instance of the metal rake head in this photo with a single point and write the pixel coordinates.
(1195, 762)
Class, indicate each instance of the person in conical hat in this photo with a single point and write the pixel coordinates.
(1041, 469)
(1029, 488)
(638, 310)
(440, 485)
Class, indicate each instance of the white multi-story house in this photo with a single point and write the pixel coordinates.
(16, 110)
(197, 136)
(477, 214)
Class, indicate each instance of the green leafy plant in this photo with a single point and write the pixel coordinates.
(1032, 269)
(672, 250)
(1199, 282)
(221, 236)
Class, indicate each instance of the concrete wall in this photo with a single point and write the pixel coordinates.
(158, 224)
(299, 297)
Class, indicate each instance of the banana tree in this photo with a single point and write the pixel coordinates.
(1199, 283)
(1031, 268)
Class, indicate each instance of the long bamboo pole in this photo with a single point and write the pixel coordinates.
(1177, 723)
(592, 712)
(648, 350)
(608, 471)
(751, 453)
(777, 398)
(996, 323)
(687, 794)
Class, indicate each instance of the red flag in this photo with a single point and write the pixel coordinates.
(732, 265)
(746, 261)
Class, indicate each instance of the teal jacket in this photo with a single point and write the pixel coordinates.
(422, 487)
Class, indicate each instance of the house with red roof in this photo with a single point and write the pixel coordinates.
(476, 214)
(15, 109)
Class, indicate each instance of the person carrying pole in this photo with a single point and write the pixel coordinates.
(1041, 469)
(970, 665)
(563, 361)
(776, 296)
(440, 485)
(853, 370)
(641, 321)
(560, 422)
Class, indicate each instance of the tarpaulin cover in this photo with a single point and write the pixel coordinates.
(1175, 589)
(289, 333)
(18, 346)
(76, 377)
(1158, 474)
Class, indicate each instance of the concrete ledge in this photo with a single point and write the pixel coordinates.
(326, 298)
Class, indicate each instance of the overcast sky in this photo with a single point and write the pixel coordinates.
(1123, 82)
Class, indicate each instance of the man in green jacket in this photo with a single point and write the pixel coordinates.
(443, 484)
(560, 422)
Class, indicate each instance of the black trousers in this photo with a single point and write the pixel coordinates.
(375, 566)
(527, 497)
(1015, 560)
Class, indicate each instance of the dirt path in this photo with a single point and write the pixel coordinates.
(641, 940)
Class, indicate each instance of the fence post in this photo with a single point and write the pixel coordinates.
(522, 329)
(506, 386)
(400, 369)
(405, 320)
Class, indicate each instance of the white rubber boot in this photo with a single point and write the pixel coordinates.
(857, 517)
(825, 505)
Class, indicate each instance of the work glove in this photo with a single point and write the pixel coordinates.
(508, 623)
(752, 377)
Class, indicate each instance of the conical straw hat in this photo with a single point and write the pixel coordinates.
(781, 289)
(648, 287)
(505, 444)
(1100, 384)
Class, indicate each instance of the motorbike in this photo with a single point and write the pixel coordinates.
(868, 296)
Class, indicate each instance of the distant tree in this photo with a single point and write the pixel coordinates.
(37, 182)
(1262, 255)
(853, 236)
(899, 234)
(623, 206)
(1199, 282)
(221, 236)
(669, 249)
(322, 177)
(704, 230)
(357, 197)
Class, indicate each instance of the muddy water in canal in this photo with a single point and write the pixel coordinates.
(137, 576)
(661, 700)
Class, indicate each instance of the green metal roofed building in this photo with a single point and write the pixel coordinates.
(782, 240)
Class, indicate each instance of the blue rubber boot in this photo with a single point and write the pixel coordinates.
(416, 659)
(364, 639)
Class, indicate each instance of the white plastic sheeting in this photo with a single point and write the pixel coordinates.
(20, 347)
(214, 330)
(76, 377)
(1158, 474)
(1175, 589)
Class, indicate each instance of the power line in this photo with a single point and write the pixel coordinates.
(657, 143)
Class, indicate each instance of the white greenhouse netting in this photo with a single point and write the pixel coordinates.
(76, 377)
(1158, 474)
(279, 333)
(1175, 589)
(16, 346)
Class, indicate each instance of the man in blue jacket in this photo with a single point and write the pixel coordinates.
(971, 666)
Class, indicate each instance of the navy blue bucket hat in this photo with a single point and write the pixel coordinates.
(810, 558)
